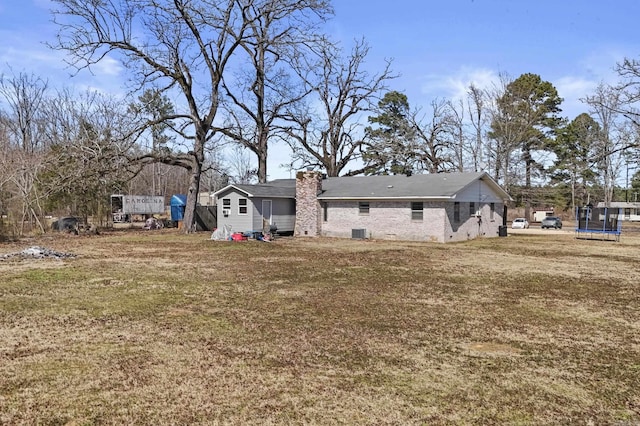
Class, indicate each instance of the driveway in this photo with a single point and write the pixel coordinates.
(536, 230)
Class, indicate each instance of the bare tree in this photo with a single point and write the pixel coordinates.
(6, 172)
(25, 95)
(477, 108)
(87, 159)
(434, 137)
(168, 180)
(605, 105)
(181, 45)
(628, 91)
(459, 137)
(280, 31)
(324, 132)
(240, 169)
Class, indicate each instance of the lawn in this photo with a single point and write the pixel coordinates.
(161, 328)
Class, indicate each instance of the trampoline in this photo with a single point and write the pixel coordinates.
(602, 223)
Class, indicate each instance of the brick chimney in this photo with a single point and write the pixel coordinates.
(308, 209)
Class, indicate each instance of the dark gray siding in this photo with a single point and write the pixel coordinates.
(283, 213)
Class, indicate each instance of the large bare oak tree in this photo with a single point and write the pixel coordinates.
(327, 132)
(180, 45)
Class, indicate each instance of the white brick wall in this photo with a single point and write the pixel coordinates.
(392, 220)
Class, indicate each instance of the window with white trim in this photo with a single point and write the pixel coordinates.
(226, 206)
(363, 208)
(242, 206)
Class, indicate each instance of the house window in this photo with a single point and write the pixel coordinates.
(456, 212)
(325, 212)
(363, 207)
(226, 206)
(472, 209)
(492, 211)
(417, 211)
(242, 206)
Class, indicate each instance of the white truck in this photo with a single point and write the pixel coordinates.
(124, 206)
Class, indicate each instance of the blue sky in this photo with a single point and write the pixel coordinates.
(437, 47)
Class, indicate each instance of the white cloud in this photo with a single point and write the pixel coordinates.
(572, 89)
(455, 85)
(107, 67)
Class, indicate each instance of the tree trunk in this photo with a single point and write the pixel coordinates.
(189, 218)
(192, 198)
(262, 156)
(528, 161)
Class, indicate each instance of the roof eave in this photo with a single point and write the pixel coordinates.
(401, 198)
(228, 187)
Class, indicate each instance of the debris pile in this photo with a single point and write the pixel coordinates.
(222, 234)
(36, 252)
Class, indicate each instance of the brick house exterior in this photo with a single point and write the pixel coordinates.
(439, 208)
(436, 207)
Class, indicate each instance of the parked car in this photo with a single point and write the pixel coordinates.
(520, 223)
(551, 222)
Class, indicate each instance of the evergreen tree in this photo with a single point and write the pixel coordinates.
(529, 110)
(574, 147)
(391, 143)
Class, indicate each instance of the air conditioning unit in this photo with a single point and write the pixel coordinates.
(359, 234)
(225, 213)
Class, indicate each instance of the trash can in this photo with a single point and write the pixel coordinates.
(502, 231)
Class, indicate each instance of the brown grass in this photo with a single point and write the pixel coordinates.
(160, 328)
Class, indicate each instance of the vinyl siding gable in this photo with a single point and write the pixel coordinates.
(239, 222)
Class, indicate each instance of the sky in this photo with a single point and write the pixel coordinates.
(437, 47)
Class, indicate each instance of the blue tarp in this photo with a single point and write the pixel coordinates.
(178, 203)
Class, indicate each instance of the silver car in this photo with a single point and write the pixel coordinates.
(551, 222)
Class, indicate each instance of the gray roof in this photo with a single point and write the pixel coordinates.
(428, 186)
(620, 204)
(280, 188)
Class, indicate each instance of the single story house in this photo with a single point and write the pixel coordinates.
(432, 207)
(630, 210)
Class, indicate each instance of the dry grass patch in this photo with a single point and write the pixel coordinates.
(160, 328)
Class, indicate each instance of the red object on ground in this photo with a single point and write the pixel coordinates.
(238, 237)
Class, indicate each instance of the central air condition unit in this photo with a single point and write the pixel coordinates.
(359, 234)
